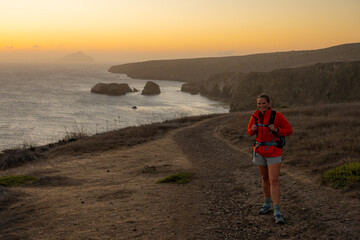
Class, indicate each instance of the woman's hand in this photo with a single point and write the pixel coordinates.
(254, 128)
(273, 128)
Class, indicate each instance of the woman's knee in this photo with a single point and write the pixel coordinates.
(265, 179)
(274, 181)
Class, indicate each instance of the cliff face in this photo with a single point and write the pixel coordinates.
(316, 84)
(200, 69)
(319, 83)
(220, 86)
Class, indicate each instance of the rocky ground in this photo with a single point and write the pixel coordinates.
(231, 190)
(114, 195)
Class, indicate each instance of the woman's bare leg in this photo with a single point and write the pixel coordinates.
(273, 172)
(265, 181)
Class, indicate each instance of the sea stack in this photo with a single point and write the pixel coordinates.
(113, 89)
(192, 88)
(151, 88)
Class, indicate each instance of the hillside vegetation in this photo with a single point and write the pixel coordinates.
(317, 84)
(199, 69)
(324, 137)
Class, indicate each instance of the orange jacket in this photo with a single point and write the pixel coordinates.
(264, 134)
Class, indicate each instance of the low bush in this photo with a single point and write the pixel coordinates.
(178, 178)
(343, 175)
(15, 157)
(13, 181)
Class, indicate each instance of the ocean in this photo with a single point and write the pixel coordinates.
(40, 104)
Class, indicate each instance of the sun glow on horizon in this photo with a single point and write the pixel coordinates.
(175, 26)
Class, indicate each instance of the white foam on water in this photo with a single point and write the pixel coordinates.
(40, 103)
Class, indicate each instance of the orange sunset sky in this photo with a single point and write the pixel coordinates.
(136, 30)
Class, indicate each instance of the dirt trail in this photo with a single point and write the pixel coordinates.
(114, 195)
(232, 186)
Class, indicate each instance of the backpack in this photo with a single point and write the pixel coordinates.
(280, 143)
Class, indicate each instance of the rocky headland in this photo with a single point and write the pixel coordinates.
(200, 69)
(329, 75)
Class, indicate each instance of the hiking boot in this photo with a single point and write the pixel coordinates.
(265, 209)
(279, 219)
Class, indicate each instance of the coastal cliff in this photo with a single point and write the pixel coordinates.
(317, 84)
(200, 69)
(219, 86)
(329, 75)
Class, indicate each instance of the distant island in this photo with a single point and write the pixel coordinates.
(78, 57)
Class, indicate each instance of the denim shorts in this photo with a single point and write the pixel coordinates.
(265, 161)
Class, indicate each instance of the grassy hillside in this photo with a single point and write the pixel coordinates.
(317, 84)
(199, 69)
(324, 137)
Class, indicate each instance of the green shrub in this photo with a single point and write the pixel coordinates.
(178, 178)
(13, 181)
(343, 175)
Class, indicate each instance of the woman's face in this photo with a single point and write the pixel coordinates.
(262, 104)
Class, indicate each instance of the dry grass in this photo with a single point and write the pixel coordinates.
(323, 138)
(15, 157)
(125, 137)
(77, 142)
(329, 135)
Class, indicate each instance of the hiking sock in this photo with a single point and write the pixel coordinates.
(266, 207)
(278, 217)
(277, 209)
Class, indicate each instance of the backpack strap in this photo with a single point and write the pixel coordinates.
(256, 123)
(255, 118)
(272, 117)
(279, 144)
(271, 121)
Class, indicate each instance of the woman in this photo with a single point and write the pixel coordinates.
(270, 127)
